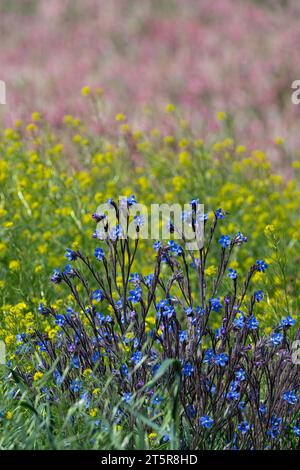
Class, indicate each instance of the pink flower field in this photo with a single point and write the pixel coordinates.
(236, 56)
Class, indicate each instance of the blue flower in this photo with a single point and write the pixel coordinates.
(116, 232)
(262, 409)
(216, 304)
(188, 369)
(202, 218)
(98, 295)
(221, 359)
(127, 398)
(297, 430)
(252, 323)
(274, 430)
(56, 277)
(148, 280)
(57, 377)
(209, 355)
(261, 265)
(157, 399)
(224, 241)
(206, 421)
(21, 337)
(60, 320)
(233, 395)
(71, 255)
(124, 369)
(194, 202)
(258, 296)
(175, 249)
(218, 359)
(220, 214)
(191, 411)
(136, 357)
(42, 309)
(276, 339)
(42, 346)
(85, 397)
(182, 336)
(69, 271)
(239, 239)
(232, 273)
(99, 254)
(290, 397)
(134, 278)
(240, 375)
(139, 220)
(239, 321)
(163, 307)
(188, 311)
(98, 217)
(76, 385)
(131, 200)
(243, 427)
(156, 245)
(96, 356)
(135, 295)
(75, 362)
(210, 387)
(287, 322)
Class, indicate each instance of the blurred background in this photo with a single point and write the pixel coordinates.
(204, 56)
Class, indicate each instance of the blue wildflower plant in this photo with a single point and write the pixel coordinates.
(174, 328)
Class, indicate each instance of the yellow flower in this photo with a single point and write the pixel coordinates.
(93, 412)
(42, 249)
(68, 119)
(52, 332)
(125, 128)
(3, 212)
(221, 116)
(183, 143)
(152, 435)
(120, 117)
(87, 372)
(31, 127)
(18, 123)
(14, 265)
(240, 149)
(184, 158)
(96, 391)
(9, 339)
(8, 224)
(178, 183)
(296, 164)
(170, 108)
(77, 139)
(269, 229)
(278, 140)
(35, 116)
(169, 140)
(3, 249)
(9, 415)
(37, 376)
(85, 91)
(210, 270)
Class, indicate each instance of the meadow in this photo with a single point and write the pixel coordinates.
(73, 369)
(118, 343)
